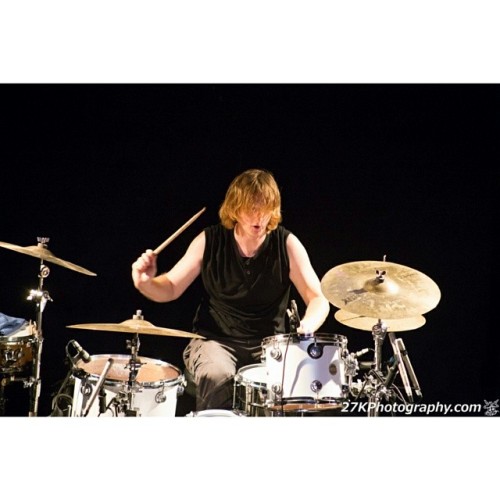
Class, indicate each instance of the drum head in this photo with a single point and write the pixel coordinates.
(152, 370)
(253, 375)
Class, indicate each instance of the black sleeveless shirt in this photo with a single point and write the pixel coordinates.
(244, 299)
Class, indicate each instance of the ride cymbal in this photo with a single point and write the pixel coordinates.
(380, 289)
(136, 326)
(41, 252)
(365, 323)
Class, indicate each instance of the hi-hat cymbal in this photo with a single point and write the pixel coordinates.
(380, 289)
(41, 252)
(365, 323)
(136, 326)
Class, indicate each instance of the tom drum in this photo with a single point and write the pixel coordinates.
(154, 393)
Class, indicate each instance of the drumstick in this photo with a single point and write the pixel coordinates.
(179, 231)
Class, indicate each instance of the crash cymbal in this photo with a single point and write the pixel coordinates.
(380, 289)
(365, 323)
(136, 326)
(41, 252)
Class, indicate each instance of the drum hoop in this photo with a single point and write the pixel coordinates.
(157, 384)
(323, 338)
(112, 382)
(239, 376)
(26, 339)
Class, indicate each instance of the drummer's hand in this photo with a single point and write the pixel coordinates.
(144, 269)
(305, 328)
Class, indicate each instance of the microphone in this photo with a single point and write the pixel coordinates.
(391, 374)
(81, 351)
(102, 401)
(402, 370)
(409, 367)
(99, 384)
(294, 317)
(358, 354)
(295, 311)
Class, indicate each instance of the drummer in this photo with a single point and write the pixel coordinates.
(247, 263)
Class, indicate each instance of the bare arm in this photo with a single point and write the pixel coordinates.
(171, 285)
(308, 285)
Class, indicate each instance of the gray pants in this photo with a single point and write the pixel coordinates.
(213, 365)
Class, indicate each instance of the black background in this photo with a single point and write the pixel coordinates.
(106, 171)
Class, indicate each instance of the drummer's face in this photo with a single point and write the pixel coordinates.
(254, 220)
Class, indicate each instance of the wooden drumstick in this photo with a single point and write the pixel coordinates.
(179, 231)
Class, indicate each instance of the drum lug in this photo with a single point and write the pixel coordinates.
(86, 388)
(316, 386)
(315, 351)
(275, 354)
(182, 387)
(160, 396)
(276, 389)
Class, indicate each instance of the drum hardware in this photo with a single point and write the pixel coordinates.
(133, 365)
(3, 400)
(377, 386)
(315, 350)
(160, 396)
(40, 297)
(351, 366)
(293, 316)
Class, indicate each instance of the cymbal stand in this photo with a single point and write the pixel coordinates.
(379, 332)
(40, 297)
(134, 365)
(380, 387)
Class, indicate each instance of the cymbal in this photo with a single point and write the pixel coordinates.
(365, 323)
(136, 326)
(41, 252)
(382, 290)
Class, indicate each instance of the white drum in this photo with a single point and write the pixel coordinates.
(305, 371)
(214, 413)
(250, 390)
(154, 393)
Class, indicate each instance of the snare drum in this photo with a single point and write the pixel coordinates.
(154, 393)
(250, 390)
(305, 371)
(18, 350)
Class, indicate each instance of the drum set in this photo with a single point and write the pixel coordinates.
(299, 374)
